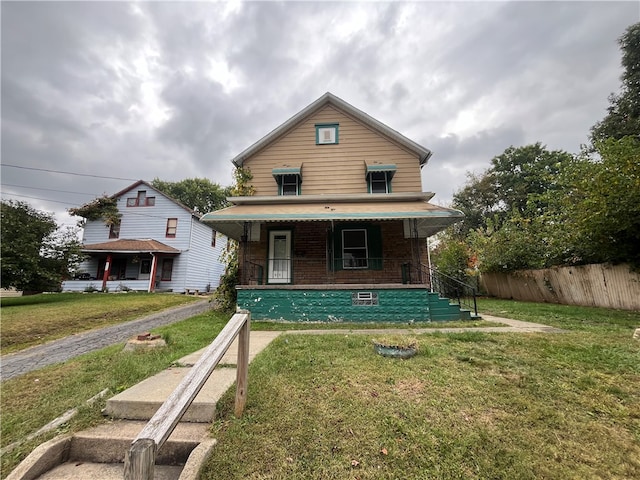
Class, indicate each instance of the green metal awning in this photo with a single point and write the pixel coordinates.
(390, 169)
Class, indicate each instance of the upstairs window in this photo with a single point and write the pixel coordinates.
(379, 183)
(141, 200)
(289, 180)
(379, 177)
(114, 230)
(326, 133)
(172, 227)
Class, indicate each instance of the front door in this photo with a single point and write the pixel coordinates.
(279, 263)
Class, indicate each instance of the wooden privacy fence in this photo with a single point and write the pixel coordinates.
(599, 285)
(140, 459)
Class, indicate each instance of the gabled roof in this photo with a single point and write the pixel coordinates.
(130, 246)
(148, 185)
(330, 99)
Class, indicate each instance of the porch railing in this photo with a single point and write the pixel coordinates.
(456, 291)
(322, 271)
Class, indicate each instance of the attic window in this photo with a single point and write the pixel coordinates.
(326, 133)
(289, 180)
(141, 200)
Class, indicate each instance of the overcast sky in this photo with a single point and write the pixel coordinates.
(176, 89)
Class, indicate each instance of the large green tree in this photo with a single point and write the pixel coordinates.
(516, 183)
(199, 194)
(35, 254)
(601, 201)
(623, 113)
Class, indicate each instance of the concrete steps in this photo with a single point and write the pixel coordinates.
(98, 453)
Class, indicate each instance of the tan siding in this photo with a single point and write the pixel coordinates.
(333, 168)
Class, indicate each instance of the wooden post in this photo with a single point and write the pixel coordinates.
(242, 366)
(140, 460)
(107, 271)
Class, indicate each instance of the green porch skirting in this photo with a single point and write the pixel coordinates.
(341, 303)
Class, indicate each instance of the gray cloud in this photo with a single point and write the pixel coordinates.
(177, 89)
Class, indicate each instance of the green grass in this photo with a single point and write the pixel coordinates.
(470, 405)
(30, 401)
(36, 319)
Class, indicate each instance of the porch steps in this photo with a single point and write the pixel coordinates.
(440, 309)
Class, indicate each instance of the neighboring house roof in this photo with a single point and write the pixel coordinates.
(130, 246)
(148, 185)
(429, 218)
(330, 99)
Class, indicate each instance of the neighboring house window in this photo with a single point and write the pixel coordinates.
(326, 133)
(357, 246)
(145, 266)
(114, 230)
(141, 200)
(167, 269)
(214, 234)
(172, 227)
(379, 182)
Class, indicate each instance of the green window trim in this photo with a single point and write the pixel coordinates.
(322, 129)
(373, 245)
(289, 179)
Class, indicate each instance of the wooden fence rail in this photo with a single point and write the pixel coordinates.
(598, 285)
(140, 459)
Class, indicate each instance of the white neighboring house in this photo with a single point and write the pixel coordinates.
(159, 244)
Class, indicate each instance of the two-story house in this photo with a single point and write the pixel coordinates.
(336, 228)
(158, 244)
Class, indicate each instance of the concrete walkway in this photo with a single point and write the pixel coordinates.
(58, 351)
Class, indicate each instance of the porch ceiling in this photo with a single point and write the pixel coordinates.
(130, 246)
(430, 218)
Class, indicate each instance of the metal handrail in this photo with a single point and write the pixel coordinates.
(459, 292)
(140, 458)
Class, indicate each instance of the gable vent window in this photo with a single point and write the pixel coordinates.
(326, 133)
(289, 180)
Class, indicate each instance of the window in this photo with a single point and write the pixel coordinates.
(214, 234)
(354, 249)
(145, 266)
(141, 200)
(114, 230)
(357, 246)
(290, 185)
(379, 177)
(289, 180)
(326, 133)
(379, 182)
(167, 269)
(172, 227)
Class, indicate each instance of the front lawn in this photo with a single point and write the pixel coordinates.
(470, 405)
(36, 319)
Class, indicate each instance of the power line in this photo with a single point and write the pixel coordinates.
(69, 173)
(47, 189)
(35, 198)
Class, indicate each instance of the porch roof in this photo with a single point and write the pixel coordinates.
(430, 218)
(129, 246)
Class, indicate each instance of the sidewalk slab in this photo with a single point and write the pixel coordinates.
(258, 341)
